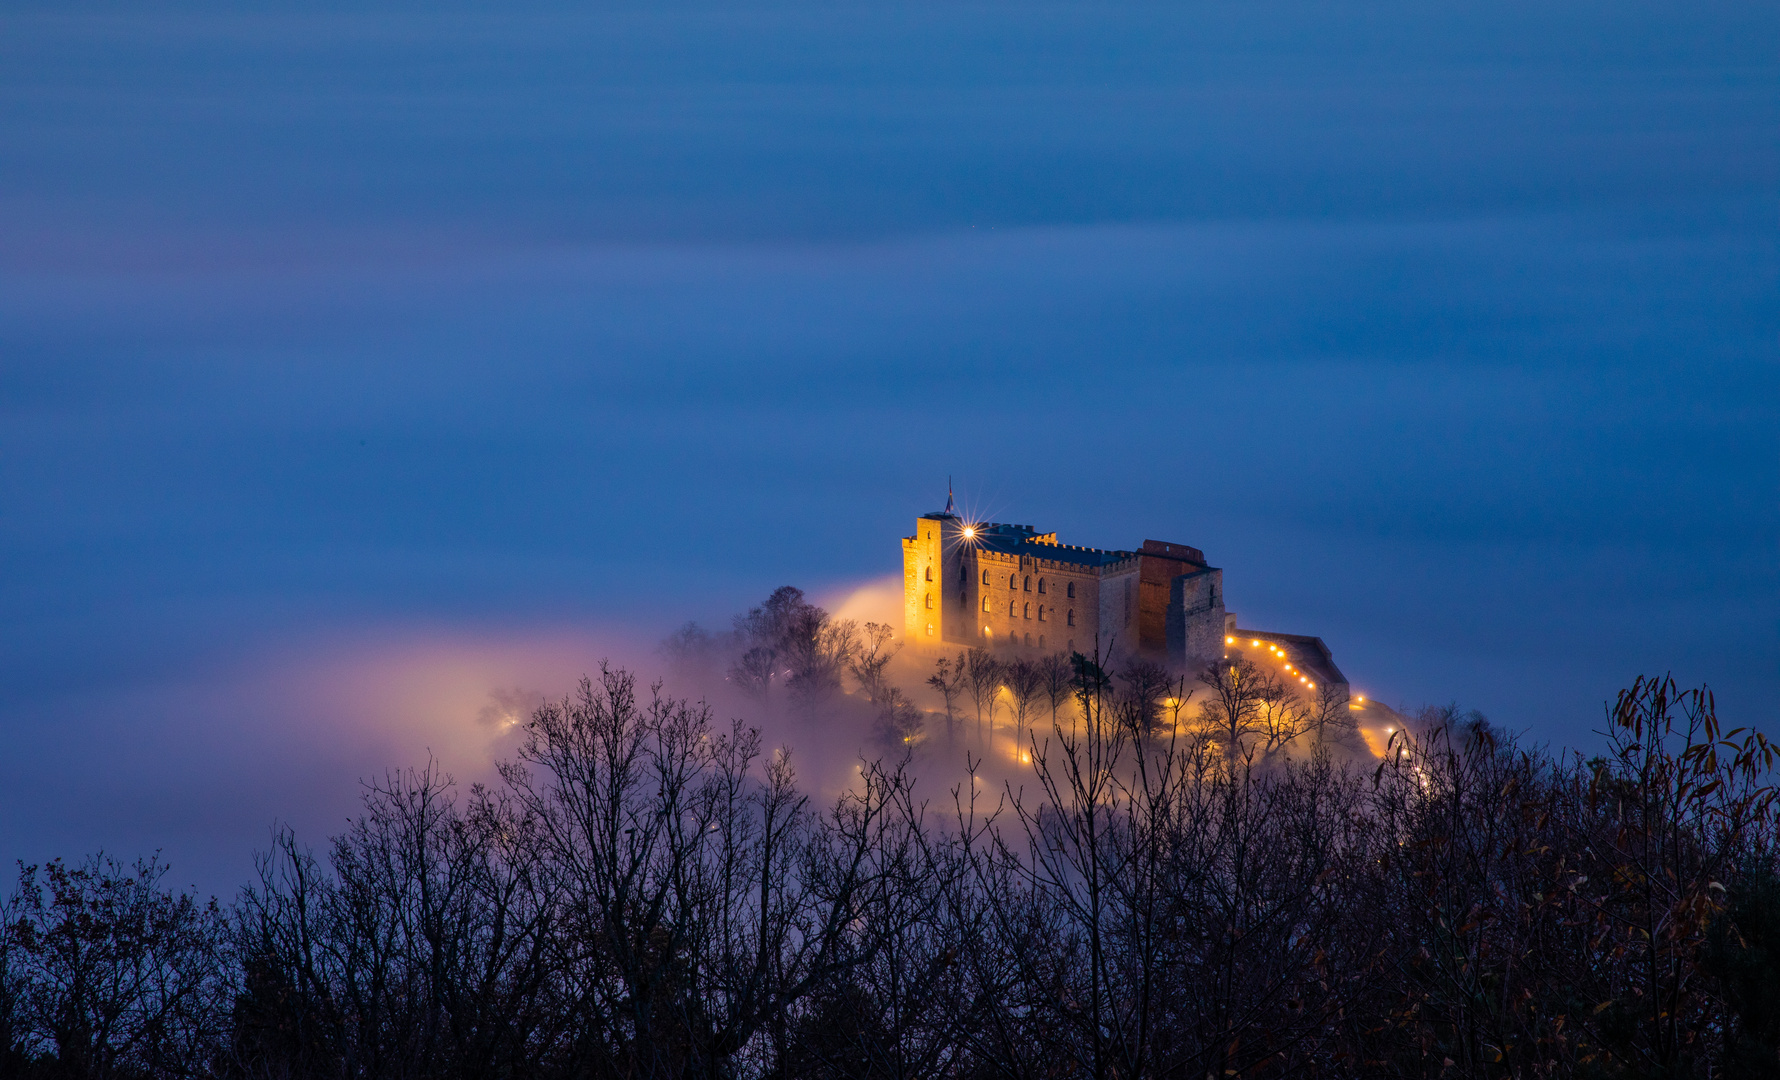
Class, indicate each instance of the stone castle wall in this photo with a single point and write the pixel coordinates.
(1197, 617)
(1157, 602)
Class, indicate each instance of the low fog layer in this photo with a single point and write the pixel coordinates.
(204, 770)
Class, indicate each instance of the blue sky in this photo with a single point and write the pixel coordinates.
(358, 359)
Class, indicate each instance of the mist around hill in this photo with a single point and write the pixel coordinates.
(1029, 866)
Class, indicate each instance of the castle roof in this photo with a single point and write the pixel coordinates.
(1025, 540)
(1010, 543)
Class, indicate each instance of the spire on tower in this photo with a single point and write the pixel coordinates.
(949, 495)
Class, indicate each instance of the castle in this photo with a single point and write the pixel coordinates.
(988, 584)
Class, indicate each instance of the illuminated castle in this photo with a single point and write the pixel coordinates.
(971, 583)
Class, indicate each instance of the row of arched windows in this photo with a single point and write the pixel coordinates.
(1017, 610)
(1016, 583)
(1027, 638)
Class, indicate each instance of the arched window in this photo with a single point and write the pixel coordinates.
(1028, 639)
(985, 577)
(1071, 645)
(1013, 581)
(929, 629)
(930, 573)
(930, 601)
(1072, 590)
(1041, 638)
(1026, 586)
(1041, 613)
(1071, 616)
(1026, 614)
(985, 603)
(986, 632)
(1012, 608)
(1041, 585)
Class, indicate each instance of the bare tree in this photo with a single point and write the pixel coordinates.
(789, 639)
(691, 653)
(715, 902)
(1025, 682)
(1057, 677)
(871, 657)
(982, 678)
(1329, 720)
(1281, 713)
(755, 670)
(110, 975)
(948, 678)
(1145, 685)
(899, 722)
(1239, 690)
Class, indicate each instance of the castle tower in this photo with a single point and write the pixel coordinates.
(925, 567)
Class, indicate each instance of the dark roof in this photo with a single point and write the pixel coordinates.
(1177, 552)
(1014, 544)
(1308, 649)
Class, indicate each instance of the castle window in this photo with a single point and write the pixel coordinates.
(930, 601)
(1012, 608)
(1028, 639)
(929, 629)
(1041, 585)
(1041, 639)
(1071, 616)
(1013, 581)
(930, 573)
(1027, 585)
(1041, 613)
(985, 603)
(986, 632)
(1026, 614)
(1071, 645)
(985, 577)
(1072, 590)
